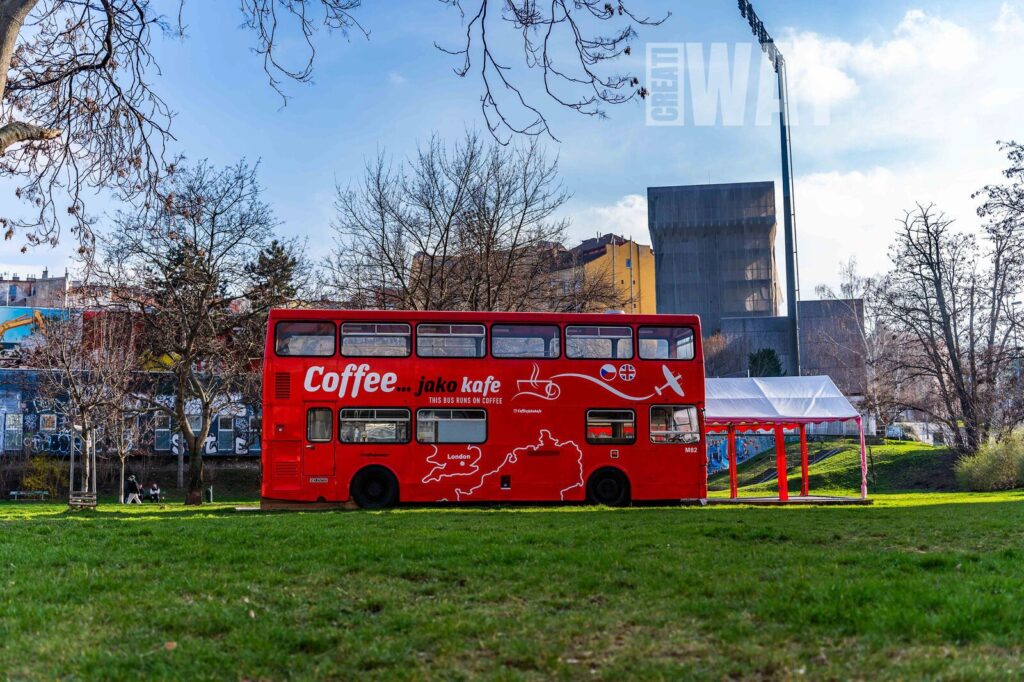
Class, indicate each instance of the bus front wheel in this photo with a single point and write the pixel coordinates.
(374, 488)
(609, 487)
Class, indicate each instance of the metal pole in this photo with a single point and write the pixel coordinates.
(789, 220)
(71, 458)
(804, 478)
(92, 463)
(792, 266)
(730, 444)
(780, 463)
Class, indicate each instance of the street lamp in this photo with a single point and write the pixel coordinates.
(789, 218)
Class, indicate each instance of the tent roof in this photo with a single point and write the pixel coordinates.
(776, 399)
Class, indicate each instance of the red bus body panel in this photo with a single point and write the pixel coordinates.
(536, 416)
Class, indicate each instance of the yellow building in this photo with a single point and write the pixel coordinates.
(624, 264)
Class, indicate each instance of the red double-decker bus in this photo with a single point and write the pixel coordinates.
(382, 407)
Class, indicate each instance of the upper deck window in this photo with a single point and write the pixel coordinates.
(666, 343)
(599, 342)
(375, 339)
(525, 341)
(450, 340)
(304, 339)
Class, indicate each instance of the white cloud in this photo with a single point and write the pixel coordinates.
(1009, 22)
(396, 78)
(626, 217)
(914, 118)
(923, 49)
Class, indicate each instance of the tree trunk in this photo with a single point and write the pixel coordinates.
(194, 494)
(12, 18)
(86, 462)
(121, 488)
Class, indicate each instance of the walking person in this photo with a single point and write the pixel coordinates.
(132, 491)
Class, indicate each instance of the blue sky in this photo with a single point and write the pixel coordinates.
(916, 94)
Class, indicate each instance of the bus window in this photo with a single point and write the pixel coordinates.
(450, 340)
(374, 425)
(599, 342)
(524, 341)
(318, 425)
(674, 424)
(666, 343)
(611, 427)
(368, 339)
(304, 339)
(451, 426)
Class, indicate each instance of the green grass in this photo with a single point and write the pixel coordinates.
(918, 585)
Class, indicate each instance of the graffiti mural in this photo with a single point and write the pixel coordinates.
(31, 424)
(18, 324)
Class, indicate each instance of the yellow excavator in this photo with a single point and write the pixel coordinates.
(35, 318)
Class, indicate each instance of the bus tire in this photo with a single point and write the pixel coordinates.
(609, 487)
(374, 487)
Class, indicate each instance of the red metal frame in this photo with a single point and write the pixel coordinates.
(732, 425)
(536, 447)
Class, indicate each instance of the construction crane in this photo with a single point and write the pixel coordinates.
(36, 318)
(792, 266)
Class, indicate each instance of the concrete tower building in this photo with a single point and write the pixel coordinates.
(714, 250)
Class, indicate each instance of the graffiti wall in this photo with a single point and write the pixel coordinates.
(33, 425)
(747, 445)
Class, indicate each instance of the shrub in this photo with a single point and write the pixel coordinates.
(45, 473)
(998, 465)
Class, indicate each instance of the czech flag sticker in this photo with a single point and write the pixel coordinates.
(608, 372)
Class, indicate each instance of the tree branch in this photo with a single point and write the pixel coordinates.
(16, 132)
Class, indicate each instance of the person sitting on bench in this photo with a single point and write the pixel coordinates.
(153, 494)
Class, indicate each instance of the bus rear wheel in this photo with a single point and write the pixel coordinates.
(609, 487)
(374, 488)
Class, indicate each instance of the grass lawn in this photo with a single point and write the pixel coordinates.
(917, 585)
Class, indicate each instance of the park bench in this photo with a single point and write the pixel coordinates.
(24, 495)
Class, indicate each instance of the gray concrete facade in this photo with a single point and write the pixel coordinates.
(714, 250)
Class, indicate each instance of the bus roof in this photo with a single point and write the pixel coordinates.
(464, 316)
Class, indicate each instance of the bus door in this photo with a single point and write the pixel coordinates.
(318, 449)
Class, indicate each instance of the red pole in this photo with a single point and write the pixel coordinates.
(730, 444)
(780, 462)
(863, 462)
(805, 485)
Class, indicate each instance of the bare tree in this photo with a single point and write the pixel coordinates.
(472, 227)
(76, 108)
(858, 336)
(548, 31)
(79, 110)
(948, 302)
(189, 270)
(722, 357)
(578, 287)
(89, 374)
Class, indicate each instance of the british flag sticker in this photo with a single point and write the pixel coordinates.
(627, 372)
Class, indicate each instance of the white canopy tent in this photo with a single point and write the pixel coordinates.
(778, 402)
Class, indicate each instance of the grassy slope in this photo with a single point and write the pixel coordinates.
(918, 585)
(896, 467)
(758, 466)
